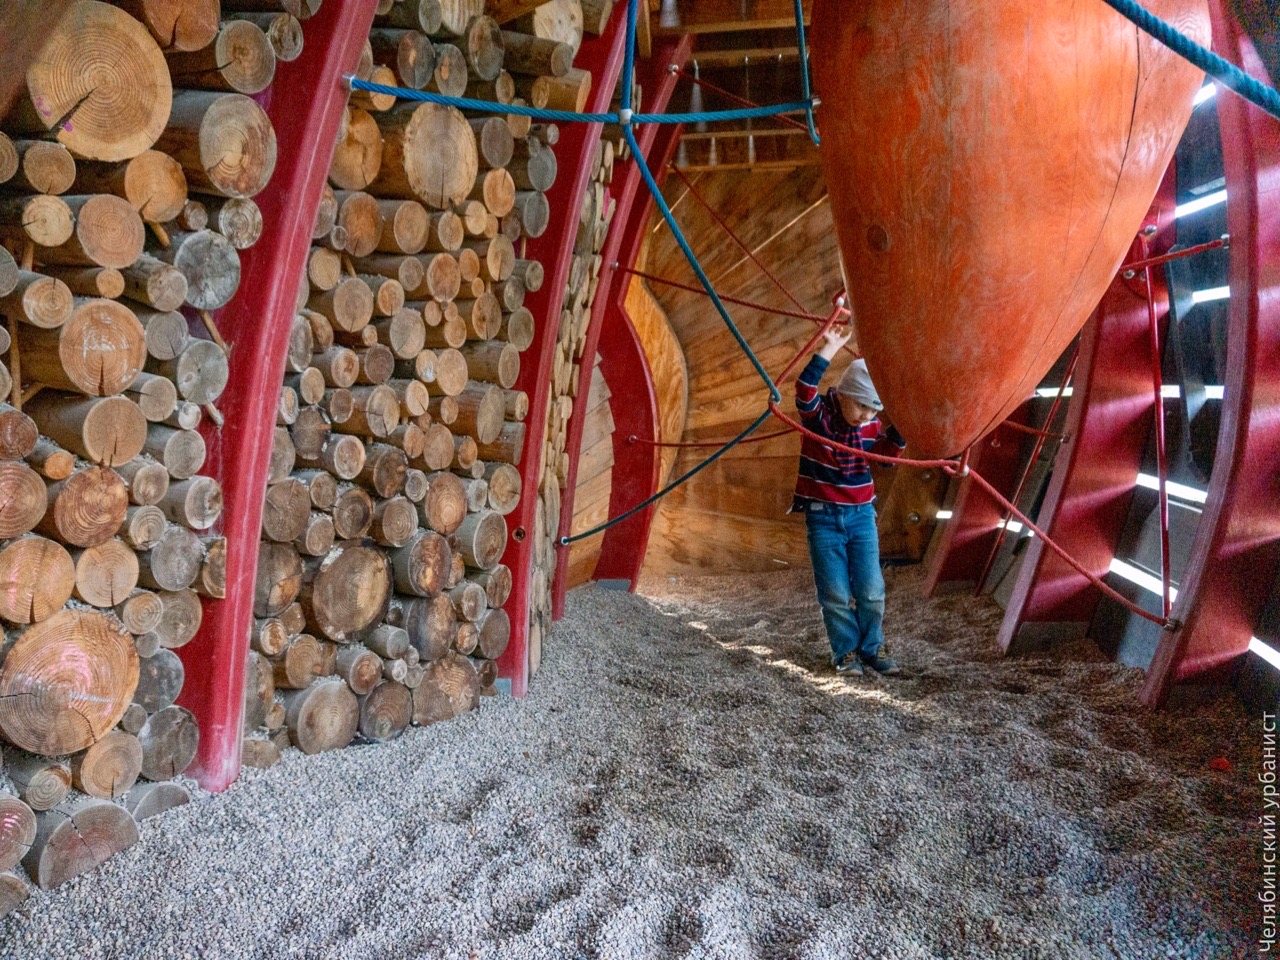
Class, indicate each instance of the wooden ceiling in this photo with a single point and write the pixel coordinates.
(747, 47)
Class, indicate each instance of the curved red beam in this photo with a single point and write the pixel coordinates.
(1092, 487)
(305, 104)
(1237, 547)
(635, 411)
(602, 57)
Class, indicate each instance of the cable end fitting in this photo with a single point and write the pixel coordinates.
(625, 115)
(563, 541)
(1173, 625)
(347, 79)
(632, 439)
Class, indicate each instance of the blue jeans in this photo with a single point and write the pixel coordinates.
(844, 546)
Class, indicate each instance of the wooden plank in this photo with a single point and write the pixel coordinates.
(720, 16)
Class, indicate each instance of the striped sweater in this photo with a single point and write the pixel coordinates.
(829, 475)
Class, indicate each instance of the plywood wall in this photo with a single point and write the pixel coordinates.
(595, 481)
(733, 516)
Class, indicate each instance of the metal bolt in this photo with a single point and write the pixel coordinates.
(1149, 230)
(913, 517)
(1129, 274)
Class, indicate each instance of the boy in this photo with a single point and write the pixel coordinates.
(836, 493)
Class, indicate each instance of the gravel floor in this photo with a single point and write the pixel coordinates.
(689, 780)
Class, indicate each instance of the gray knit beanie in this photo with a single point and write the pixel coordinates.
(856, 384)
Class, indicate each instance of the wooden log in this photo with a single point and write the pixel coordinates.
(339, 366)
(423, 15)
(269, 637)
(194, 215)
(446, 232)
(468, 637)
(152, 183)
(445, 505)
(482, 538)
(449, 689)
(595, 16)
(532, 211)
(325, 716)
(405, 226)
(108, 232)
(376, 413)
(18, 434)
(450, 74)
(140, 612)
(496, 582)
(147, 800)
(429, 153)
(348, 306)
(174, 562)
(516, 404)
(437, 450)
(451, 374)
(142, 530)
(50, 460)
(415, 485)
(571, 92)
(236, 218)
(160, 679)
(181, 614)
(86, 663)
(441, 280)
(444, 410)
(357, 157)
(160, 285)
(477, 493)
(430, 623)
(301, 664)
(39, 166)
(495, 362)
(195, 503)
(376, 365)
(176, 24)
(482, 45)
(309, 434)
(134, 717)
(407, 52)
(469, 601)
(169, 740)
(77, 837)
(317, 535)
(308, 386)
(360, 667)
(530, 273)
(321, 486)
(283, 455)
(534, 56)
(109, 768)
(508, 448)
(482, 316)
(86, 509)
(480, 411)
(105, 574)
(384, 470)
(99, 67)
(495, 634)
(347, 591)
(208, 262)
(43, 220)
(110, 430)
(385, 711)
(258, 754)
(287, 510)
(224, 141)
(283, 32)
(327, 211)
(389, 642)
(200, 371)
(146, 480)
(157, 398)
(181, 451)
(359, 215)
(395, 522)
(422, 565)
(17, 830)
(497, 258)
(42, 782)
(240, 60)
(98, 351)
(324, 266)
(352, 514)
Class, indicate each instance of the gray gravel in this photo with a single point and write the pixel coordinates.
(689, 780)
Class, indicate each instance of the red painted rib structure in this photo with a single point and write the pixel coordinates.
(305, 104)
(602, 57)
(610, 326)
(1233, 560)
(1091, 491)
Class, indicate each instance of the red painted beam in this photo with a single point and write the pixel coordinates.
(305, 104)
(657, 77)
(1237, 546)
(602, 57)
(964, 542)
(1108, 423)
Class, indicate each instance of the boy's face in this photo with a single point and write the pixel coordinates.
(853, 411)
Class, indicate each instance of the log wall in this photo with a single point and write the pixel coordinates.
(594, 481)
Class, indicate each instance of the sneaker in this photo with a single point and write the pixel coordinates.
(849, 666)
(882, 665)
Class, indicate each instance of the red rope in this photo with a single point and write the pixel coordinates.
(798, 315)
(733, 97)
(953, 468)
(709, 443)
(732, 236)
(1026, 473)
(1023, 428)
(1177, 255)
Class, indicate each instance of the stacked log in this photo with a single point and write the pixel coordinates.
(380, 589)
(138, 152)
(595, 218)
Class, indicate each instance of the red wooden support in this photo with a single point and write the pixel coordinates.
(305, 104)
(657, 77)
(602, 57)
(1091, 491)
(964, 542)
(1233, 560)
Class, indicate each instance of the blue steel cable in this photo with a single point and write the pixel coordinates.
(629, 57)
(614, 521)
(804, 72)
(638, 156)
(568, 116)
(1225, 72)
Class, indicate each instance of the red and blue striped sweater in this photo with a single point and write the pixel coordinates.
(835, 476)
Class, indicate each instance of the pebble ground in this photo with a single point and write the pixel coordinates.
(688, 779)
